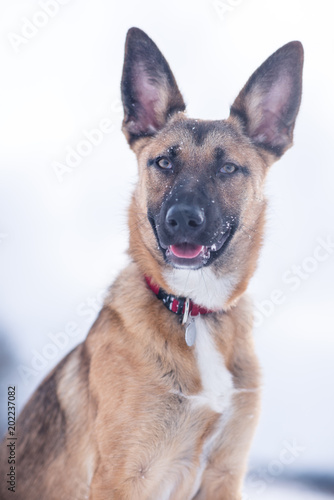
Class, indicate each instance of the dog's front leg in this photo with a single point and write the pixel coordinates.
(227, 490)
(224, 475)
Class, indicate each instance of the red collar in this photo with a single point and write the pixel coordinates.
(178, 305)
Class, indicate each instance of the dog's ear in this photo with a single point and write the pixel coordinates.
(269, 102)
(149, 91)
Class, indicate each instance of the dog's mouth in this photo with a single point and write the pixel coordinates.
(187, 255)
(193, 256)
(186, 250)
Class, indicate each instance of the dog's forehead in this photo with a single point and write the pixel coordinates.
(192, 139)
(202, 132)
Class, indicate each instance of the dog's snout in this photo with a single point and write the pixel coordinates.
(183, 217)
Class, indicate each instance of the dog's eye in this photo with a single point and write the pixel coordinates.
(164, 163)
(228, 168)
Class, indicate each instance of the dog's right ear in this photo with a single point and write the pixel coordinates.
(149, 91)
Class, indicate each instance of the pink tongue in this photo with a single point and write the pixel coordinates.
(186, 250)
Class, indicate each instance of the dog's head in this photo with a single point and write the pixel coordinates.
(197, 214)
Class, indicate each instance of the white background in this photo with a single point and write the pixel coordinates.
(62, 243)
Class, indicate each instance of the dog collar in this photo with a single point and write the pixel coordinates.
(181, 306)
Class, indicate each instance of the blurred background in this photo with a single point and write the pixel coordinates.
(66, 174)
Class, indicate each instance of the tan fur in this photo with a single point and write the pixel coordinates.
(125, 416)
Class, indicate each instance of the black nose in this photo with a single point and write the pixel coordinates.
(184, 218)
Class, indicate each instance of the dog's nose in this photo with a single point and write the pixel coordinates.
(182, 217)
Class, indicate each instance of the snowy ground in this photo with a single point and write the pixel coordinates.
(283, 491)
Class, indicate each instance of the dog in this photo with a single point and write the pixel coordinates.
(161, 400)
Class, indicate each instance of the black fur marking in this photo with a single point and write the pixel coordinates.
(172, 153)
(219, 154)
(200, 130)
(170, 374)
(241, 115)
(216, 255)
(213, 256)
(274, 150)
(221, 159)
(52, 424)
(134, 137)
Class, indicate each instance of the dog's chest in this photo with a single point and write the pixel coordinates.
(217, 382)
(217, 390)
(214, 400)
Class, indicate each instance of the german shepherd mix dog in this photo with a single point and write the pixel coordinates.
(161, 400)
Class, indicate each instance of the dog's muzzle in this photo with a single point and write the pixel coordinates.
(191, 233)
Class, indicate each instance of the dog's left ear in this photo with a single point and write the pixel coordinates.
(269, 102)
(149, 91)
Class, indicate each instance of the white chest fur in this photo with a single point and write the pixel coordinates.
(218, 389)
(216, 395)
(216, 379)
(202, 285)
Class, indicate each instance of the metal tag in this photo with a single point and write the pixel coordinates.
(190, 335)
(186, 312)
